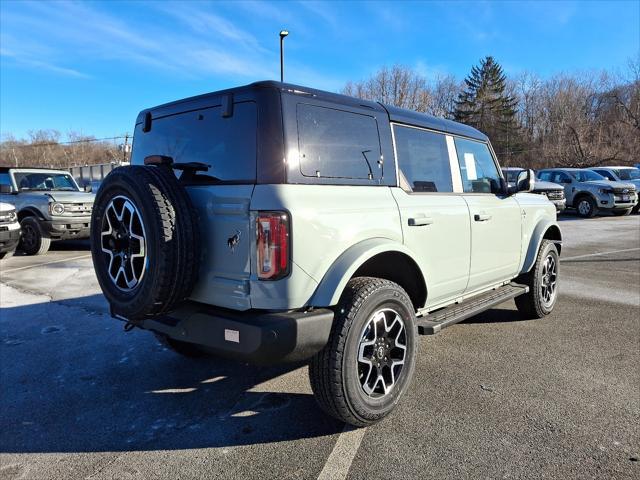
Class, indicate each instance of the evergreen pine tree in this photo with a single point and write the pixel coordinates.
(486, 105)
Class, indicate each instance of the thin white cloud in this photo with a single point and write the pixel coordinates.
(186, 40)
(85, 33)
(29, 53)
(323, 10)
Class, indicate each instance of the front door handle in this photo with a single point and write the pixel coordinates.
(481, 217)
(420, 220)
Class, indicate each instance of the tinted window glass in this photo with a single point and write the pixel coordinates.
(560, 177)
(511, 175)
(227, 145)
(5, 179)
(586, 175)
(628, 174)
(544, 176)
(477, 168)
(605, 174)
(44, 181)
(423, 159)
(337, 144)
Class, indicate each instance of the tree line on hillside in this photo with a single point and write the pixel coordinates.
(43, 148)
(573, 120)
(565, 120)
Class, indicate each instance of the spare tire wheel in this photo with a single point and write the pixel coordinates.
(144, 241)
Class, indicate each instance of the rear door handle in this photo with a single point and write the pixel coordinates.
(420, 220)
(481, 217)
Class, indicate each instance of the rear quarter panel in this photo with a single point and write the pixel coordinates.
(325, 221)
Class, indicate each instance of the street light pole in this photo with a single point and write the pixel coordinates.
(283, 33)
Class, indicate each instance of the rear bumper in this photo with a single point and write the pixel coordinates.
(9, 240)
(255, 337)
(64, 228)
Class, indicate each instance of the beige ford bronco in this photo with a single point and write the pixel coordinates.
(274, 223)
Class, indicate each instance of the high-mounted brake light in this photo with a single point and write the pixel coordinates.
(272, 245)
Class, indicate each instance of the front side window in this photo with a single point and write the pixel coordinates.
(586, 176)
(423, 160)
(477, 168)
(544, 176)
(605, 174)
(338, 144)
(45, 181)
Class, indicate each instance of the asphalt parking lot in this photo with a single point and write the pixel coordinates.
(493, 397)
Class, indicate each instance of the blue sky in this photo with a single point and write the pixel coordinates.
(90, 67)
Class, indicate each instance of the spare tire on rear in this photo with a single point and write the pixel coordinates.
(144, 241)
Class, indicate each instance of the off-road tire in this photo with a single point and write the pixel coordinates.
(333, 371)
(531, 304)
(586, 213)
(34, 241)
(172, 238)
(622, 213)
(186, 349)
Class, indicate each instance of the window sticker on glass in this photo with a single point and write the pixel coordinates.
(470, 165)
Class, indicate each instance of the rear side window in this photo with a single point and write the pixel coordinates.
(544, 176)
(337, 144)
(423, 160)
(226, 145)
(477, 168)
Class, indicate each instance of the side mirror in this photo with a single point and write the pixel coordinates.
(6, 188)
(88, 188)
(526, 181)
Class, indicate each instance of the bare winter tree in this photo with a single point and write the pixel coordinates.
(582, 119)
(398, 86)
(43, 148)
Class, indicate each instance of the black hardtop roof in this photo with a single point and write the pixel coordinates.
(399, 115)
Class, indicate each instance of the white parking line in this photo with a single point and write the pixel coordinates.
(46, 263)
(337, 465)
(599, 254)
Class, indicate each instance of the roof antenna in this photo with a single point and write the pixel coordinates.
(283, 33)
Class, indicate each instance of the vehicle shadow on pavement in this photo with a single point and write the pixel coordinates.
(496, 315)
(73, 381)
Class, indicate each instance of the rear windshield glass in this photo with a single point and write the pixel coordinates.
(226, 145)
(337, 144)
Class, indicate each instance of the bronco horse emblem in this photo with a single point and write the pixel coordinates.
(234, 240)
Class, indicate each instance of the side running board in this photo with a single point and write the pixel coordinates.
(441, 319)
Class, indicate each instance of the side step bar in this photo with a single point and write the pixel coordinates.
(441, 319)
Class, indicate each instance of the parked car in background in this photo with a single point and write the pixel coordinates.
(49, 204)
(553, 191)
(9, 229)
(622, 174)
(589, 192)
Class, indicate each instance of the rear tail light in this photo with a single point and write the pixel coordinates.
(272, 245)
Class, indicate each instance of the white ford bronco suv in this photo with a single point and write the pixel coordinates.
(274, 222)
